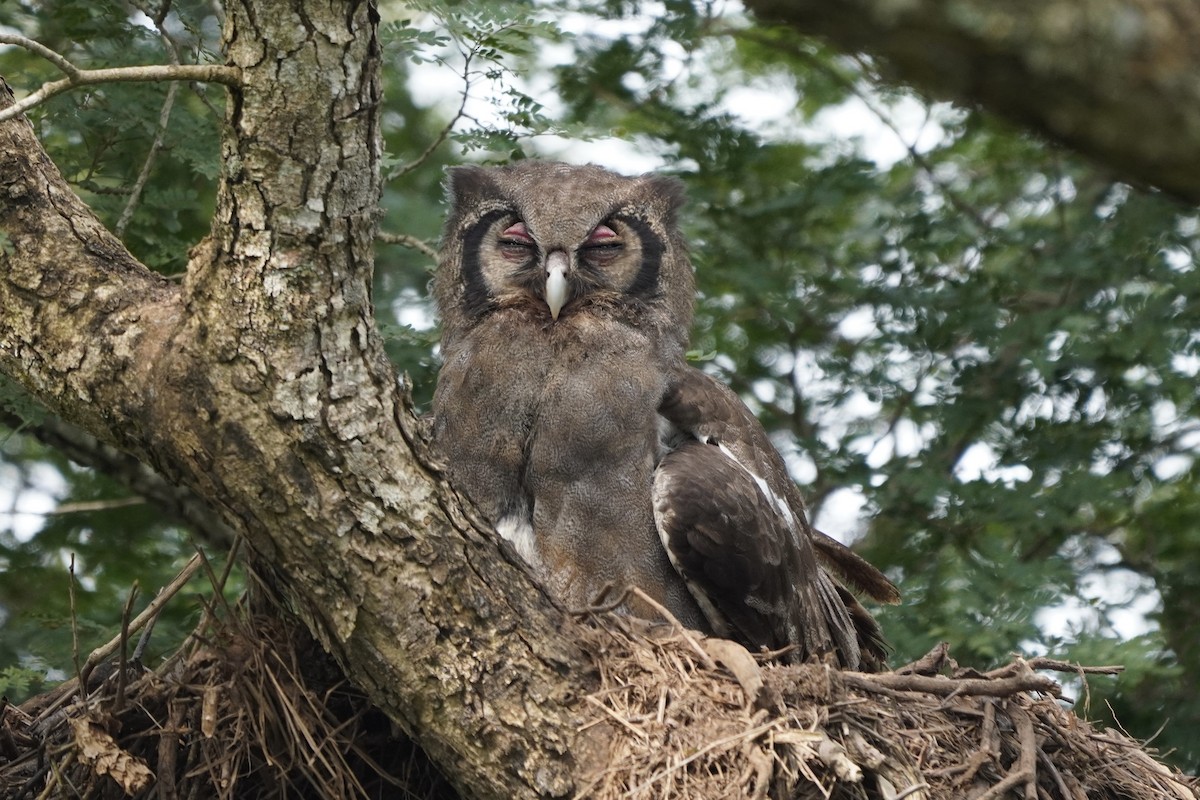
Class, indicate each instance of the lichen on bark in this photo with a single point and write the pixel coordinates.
(262, 385)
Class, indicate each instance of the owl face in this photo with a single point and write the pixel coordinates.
(560, 241)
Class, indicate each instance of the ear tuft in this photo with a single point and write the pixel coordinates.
(668, 192)
(468, 184)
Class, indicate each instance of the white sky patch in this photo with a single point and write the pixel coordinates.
(904, 438)
(765, 105)
(588, 25)
(1116, 601)
(858, 325)
(1179, 259)
(413, 309)
(1172, 466)
(26, 503)
(980, 462)
(843, 514)
(856, 122)
(629, 157)
(1186, 364)
(800, 465)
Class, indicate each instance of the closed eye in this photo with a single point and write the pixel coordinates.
(602, 236)
(602, 245)
(516, 233)
(515, 241)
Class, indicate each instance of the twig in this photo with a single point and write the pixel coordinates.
(1025, 771)
(943, 686)
(204, 73)
(989, 746)
(1030, 750)
(1000, 789)
(444, 133)
(206, 614)
(168, 748)
(34, 780)
(40, 49)
(737, 659)
(405, 240)
(75, 631)
(164, 117)
(89, 506)
(126, 613)
(100, 654)
(911, 790)
(639, 733)
(929, 664)
(679, 627)
(105, 651)
(1054, 773)
(1067, 666)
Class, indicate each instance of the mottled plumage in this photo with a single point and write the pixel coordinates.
(567, 413)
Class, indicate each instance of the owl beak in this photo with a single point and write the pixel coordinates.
(556, 282)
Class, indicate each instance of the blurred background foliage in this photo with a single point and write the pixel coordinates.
(978, 353)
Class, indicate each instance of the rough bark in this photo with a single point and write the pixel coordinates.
(1117, 80)
(261, 384)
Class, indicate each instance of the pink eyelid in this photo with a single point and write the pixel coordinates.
(518, 232)
(601, 233)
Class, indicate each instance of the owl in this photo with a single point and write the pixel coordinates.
(565, 409)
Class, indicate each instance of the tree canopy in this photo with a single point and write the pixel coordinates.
(978, 351)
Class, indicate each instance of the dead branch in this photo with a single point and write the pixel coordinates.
(1026, 681)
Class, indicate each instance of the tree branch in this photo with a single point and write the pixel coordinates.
(203, 73)
(262, 385)
(81, 319)
(405, 240)
(1112, 79)
(176, 502)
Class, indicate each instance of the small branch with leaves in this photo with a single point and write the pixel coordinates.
(75, 77)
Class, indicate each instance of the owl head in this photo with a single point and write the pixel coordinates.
(559, 241)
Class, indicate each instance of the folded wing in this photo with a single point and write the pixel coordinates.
(733, 524)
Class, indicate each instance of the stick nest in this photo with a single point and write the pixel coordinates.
(250, 711)
(253, 709)
(691, 717)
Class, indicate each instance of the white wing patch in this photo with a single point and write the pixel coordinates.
(518, 531)
(781, 504)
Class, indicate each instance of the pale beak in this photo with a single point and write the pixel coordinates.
(556, 281)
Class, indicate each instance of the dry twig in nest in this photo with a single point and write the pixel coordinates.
(683, 726)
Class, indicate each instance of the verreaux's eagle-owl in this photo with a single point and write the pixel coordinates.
(566, 411)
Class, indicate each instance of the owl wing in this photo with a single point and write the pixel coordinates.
(734, 527)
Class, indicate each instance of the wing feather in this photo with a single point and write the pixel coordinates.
(734, 526)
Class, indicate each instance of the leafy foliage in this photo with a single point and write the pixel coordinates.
(100, 138)
(985, 346)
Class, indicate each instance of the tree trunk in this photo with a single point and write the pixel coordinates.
(1114, 79)
(262, 385)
